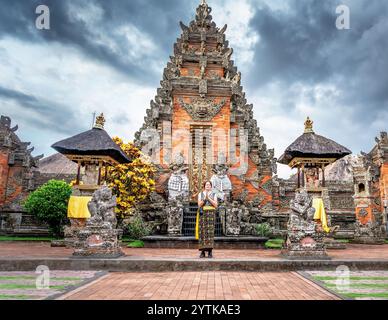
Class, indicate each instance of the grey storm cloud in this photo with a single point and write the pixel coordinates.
(51, 115)
(298, 44)
(154, 18)
(303, 45)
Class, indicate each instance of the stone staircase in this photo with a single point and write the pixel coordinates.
(189, 220)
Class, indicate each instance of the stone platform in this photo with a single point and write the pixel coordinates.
(191, 243)
(27, 256)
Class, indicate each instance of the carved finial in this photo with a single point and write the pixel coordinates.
(203, 3)
(308, 126)
(100, 121)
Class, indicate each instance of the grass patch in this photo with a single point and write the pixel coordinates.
(34, 277)
(17, 277)
(10, 238)
(343, 240)
(136, 244)
(362, 285)
(324, 278)
(15, 297)
(12, 286)
(274, 244)
(365, 295)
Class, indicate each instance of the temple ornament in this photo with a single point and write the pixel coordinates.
(100, 122)
(202, 109)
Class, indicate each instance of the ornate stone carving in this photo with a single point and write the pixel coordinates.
(203, 88)
(304, 238)
(202, 109)
(101, 208)
(175, 210)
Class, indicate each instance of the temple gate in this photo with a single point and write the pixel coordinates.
(201, 113)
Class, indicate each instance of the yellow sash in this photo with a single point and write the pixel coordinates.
(207, 208)
(78, 207)
(320, 213)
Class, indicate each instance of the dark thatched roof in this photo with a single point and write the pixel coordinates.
(57, 164)
(311, 145)
(95, 142)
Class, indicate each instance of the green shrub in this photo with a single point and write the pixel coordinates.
(136, 244)
(263, 229)
(138, 229)
(274, 244)
(49, 204)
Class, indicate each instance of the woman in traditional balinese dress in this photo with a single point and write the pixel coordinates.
(207, 204)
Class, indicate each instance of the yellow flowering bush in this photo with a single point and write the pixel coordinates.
(132, 182)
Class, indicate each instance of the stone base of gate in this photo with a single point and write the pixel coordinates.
(191, 243)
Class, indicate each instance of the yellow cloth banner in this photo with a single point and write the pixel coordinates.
(197, 227)
(320, 213)
(78, 207)
(197, 221)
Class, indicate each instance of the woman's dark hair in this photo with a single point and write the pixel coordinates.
(204, 185)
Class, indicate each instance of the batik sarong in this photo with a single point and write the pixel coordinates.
(206, 226)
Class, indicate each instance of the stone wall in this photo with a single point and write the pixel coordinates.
(340, 212)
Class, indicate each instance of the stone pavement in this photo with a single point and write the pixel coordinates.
(201, 286)
(43, 250)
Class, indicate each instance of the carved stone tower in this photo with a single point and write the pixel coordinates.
(201, 111)
(370, 186)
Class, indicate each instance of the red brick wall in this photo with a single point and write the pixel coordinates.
(3, 175)
(384, 184)
(182, 121)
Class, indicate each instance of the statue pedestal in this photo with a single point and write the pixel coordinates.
(302, 244)
(97, 242)
(369, 233)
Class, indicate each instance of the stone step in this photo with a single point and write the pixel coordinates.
(243, 242)
(136, 264)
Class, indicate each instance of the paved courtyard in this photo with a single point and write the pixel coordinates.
(43, 250)
(202, 286)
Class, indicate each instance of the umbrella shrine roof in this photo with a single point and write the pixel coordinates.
(312, 145)
(92, 143)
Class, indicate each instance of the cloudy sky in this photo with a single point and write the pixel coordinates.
(108, 56)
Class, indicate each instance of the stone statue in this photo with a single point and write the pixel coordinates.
(178, 184)
(304, 237)
(99, 238)
(102, 209)
(222, 186)
(302, 211)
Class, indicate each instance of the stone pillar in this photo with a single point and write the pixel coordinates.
(233, 219)
(175, 210)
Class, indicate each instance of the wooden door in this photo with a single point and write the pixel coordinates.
(201, 158)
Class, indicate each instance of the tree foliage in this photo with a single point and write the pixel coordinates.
(49, 204)
(131, 182)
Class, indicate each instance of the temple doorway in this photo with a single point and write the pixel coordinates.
(200, 158)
